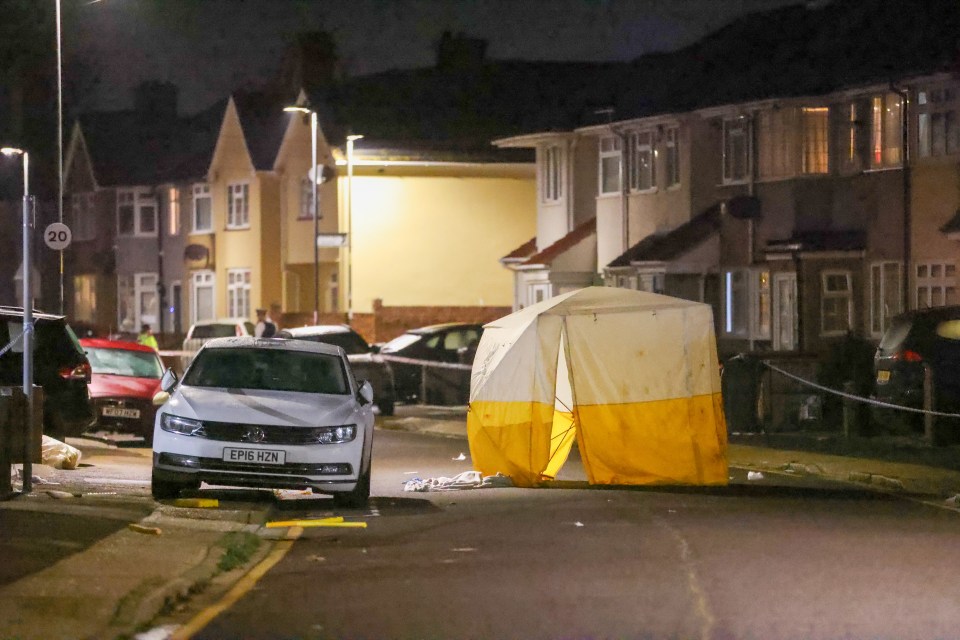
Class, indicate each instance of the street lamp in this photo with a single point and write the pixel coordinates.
(350, 140)
(27, 318)
(314, 183)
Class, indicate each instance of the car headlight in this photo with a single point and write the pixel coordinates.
(335, 435)
(183, 426)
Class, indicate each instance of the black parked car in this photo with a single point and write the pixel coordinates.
(451, 343)
(915, 340)
(363, 358)
(59, 366)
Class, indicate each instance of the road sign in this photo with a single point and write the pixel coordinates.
(57, 236)
(331, 240)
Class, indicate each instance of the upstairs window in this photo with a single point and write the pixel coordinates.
(306, 199)
(671, 157)
(736, 150)
(609, 165)
(814, 123)
(775, 135)
(238, 205)
(84, 216)
(551, 176)
(853, 137)
(885, 131)
(136, 212)
(938, 129)
(202, 209)
(173, 211)
(641, 162)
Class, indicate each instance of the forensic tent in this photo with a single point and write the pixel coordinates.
(633, 376)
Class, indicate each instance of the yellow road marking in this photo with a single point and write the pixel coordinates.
(198, 503)
(324, 522)
(245, 584)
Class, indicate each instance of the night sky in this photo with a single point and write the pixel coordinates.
(211, 47)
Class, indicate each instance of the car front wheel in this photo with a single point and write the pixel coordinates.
(167, 489)
(359, 496)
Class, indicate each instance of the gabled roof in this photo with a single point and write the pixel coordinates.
(264, 122)
(549, 254)
(668, 246)
(127, 148)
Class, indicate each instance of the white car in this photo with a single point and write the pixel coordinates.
(265, 412)
(204, 330)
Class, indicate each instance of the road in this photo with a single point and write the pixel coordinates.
(780, 557)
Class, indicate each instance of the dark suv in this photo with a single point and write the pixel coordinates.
(915, 340)
(59, 367)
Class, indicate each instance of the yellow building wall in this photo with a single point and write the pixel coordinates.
(437, 239)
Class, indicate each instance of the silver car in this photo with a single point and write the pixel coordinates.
(265, 412)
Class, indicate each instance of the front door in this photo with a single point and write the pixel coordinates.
(784, 311)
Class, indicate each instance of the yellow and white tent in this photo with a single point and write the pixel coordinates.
(634, 376)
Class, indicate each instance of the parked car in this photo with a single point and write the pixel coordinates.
(204, 330)
(126, 377)
(365, 360)
(915, 340)
(265, 412)
(434, 346)
(59, 367)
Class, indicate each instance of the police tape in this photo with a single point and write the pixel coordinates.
(427, 363)
(856, 398)
(28, 328)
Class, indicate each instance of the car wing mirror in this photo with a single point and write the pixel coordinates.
(365, 393)
(169, 380)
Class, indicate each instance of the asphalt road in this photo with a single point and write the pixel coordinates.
(778, 558)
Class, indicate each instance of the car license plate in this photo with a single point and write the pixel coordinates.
(255, 456)
(120, 412)
(883, 377)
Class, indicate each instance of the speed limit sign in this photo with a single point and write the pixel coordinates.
(57, 236)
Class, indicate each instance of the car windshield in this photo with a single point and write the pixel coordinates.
(351, 343)
(401, 342)
(121, 362)
(269, 370)
(207, 331)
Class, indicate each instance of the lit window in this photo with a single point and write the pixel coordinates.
(814, 152)
(886, 131)
(746, 303)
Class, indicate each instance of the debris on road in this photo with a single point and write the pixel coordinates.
(59, 495)
(465, 480)
(754, 475)
(139, 528)
(460, 457)
(59, 455)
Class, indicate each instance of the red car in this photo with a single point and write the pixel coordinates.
(126, 376)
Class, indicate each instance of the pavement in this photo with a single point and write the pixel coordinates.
(146, 566)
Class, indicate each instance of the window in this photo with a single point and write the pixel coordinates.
(746, 303)
(835, 303)
(671, 158)
(885, 131)
(238, 209)
(814, 139)
(853, 138)
(202, 209)
(736, 150)
(84, 298)
(936, 284)
(333, 293)
(774, 153)
(173, 211)
(885, 298)
(609, 165)
(238, 293)
(306, 199)
(148, 299)
(136, 212)
(641, 161)
(551, 176)
(938, 130)
(84, 216)
(202, 302)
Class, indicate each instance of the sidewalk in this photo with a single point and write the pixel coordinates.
(146, 567)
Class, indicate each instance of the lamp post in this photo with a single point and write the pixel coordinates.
(350, 140)
(27, 319)
(314, 183)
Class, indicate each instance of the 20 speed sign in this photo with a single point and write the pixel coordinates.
(57, 236)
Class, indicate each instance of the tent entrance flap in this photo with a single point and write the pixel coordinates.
(564, 429)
